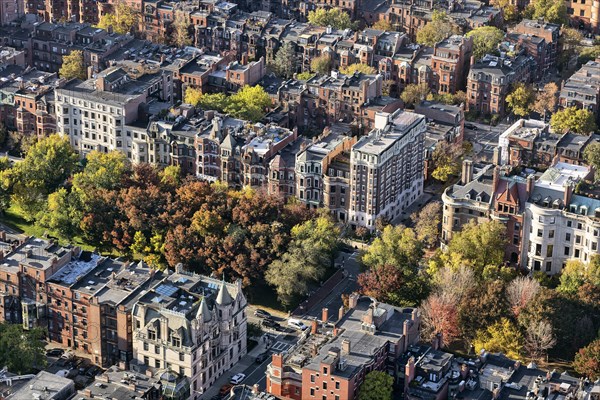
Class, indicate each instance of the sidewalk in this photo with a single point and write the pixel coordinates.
(240, 366)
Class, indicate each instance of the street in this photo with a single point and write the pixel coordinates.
(484, 139)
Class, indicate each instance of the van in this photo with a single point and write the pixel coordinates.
(296, 324)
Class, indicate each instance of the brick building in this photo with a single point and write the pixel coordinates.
(450, 63)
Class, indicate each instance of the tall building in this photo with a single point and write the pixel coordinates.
(386, 174)
(192, 325)
(450, 63)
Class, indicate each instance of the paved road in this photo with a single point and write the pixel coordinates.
(485, 139)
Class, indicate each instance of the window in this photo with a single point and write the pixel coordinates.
(145, 346)
(312, 392)
(568, 237)
(551, 234)
(577, 239)
(540, 233)
(567, 250)
(324, 385)
(325, 370)
(538, 249)
(157, 363)
(549, 266)
(312, 378)
(549, 250)
(181, 356)
(337, 385)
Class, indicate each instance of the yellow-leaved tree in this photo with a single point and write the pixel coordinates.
(73, 66)
(123, 19)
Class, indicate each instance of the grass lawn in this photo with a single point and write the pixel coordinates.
(13, 218)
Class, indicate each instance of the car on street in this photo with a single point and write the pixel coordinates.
(55, 352)
(262, 314)
(225, 389)
(269, 323)
(237, 379)
(262, 357)
(297, 324)
(470, 126)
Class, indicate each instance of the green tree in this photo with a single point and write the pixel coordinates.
(480, 244)
(570, 40)
(73, 66)
(251, 103)
(485, 40)
(397, 246)
(554, 11)
(48, 164)
(546, 99)
(123, 19)
(587, 361)
(414, 93)
(427, 223)
(591, 154)
(62, 214)
(383, 25)
(214, 101)
(446, 160)
(102, 170)
(572, 119)
(285, 61)
(503, 336)
(304, 76)
(362, 68)
(192, 96)
(180, 36)
(377, 385)
(22, 351)
(435, 31)
(510, 11)
(520, 99)
(321, 64)
(335, 17)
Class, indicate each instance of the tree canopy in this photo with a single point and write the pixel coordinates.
(180, 36)
(436, 30)
(485, 40)
(587, 361)
(414, 93)
(250, 102)
(22, 351)
(73, 66)
(520, 99)
(378, 385)
(363, 68)
(334, 17)
(285, 61)
(123, 19)
(503, 337)
(383, 25)
(321, 64)
(572, 119)
(591, 154)
(546, 99)
(554, 11)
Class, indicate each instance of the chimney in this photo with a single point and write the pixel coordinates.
(324, 314)
(341, 313)
(368, 317)
(244, 58)
(100, 83)
(467, 172)
(88, 393)
(353, 300)
(496, 156)
(314, 327)
(255, 388)
(530, 184)
(472, 60)
(414, 314)
(567, 194)
(409, 372)
(495, 178)
(3, 236)
(346, 348)
(335, 331)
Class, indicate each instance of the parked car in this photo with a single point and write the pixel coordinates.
(237, 379)
(269, 323)
(93, 371)
(262, 357)
(225, 389)
(55, 352)
(296, 324)
(471, 126)
(262, 314)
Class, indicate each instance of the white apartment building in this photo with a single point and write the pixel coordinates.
(387, 168)
(93, 113)
(192, 325)
(560, 225)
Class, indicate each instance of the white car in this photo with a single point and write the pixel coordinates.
(297, 324)
(237, 379)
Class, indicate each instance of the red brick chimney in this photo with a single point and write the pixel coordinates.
(409, 372)
(567, 194)
(324, 314)
(314, 327)
(495, 178)
(530, 184)
(341, 313)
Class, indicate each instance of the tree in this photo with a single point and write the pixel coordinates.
(192, 96)
(554, 11)
(510, 11)
(481, 306)
(480, 244)
(427, 223)
(414, 93)
(321, 64)
(439, 314)
(546, 99)
(383, 283)
(284, 63)
(73, 66)
(48, 164)
(362, 68)
(335, 17)
(503, 337)
(520, 99)
(21, 351)
(378, 385)
(520, 292)
(570, 40)
(102, 170)
(446, 160)
(572, 119)
(213, 101)
(383, 25)
(250, 102)
(591, 154)
(485, 40)
(397, 246)
(539, 338)
(62, 214)
(181, 23)
(436, 30)
(587, 360)
(304, 76)
(124, 19)
(576, 273)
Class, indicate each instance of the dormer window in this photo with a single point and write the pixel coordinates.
(583, 210)
(478, 198)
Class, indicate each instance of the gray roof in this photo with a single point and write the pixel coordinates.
(224, 298)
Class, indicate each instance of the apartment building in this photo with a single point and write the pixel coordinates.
(541, 41)
(238, 75)
(490, 79)
(192, 325)
(331, 360)
(450, 63)
(582, 89)
(93, 113)
(282, 170)
(11, 11)
(115, 383)
(387, 168)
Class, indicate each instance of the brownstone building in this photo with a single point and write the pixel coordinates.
(450, 63)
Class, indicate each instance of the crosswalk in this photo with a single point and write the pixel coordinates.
(280, 346)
